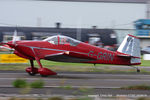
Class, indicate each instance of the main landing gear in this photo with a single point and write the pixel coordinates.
(32, 70)
(44, 72)
(137, 69)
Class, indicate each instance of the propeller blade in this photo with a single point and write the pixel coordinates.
(1, 43)
(14, 37)
(6, 47)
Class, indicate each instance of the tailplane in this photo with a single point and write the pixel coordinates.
(131, 47)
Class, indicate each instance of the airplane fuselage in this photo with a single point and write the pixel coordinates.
(30, 49)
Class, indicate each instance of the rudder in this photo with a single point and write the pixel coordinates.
(131, 46)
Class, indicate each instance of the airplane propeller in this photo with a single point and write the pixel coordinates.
(6, 46)
(1, 43)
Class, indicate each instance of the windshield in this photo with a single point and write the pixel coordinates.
(59, 39)
(52, 39)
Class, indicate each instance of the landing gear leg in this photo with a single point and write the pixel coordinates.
(44, 72)
(94, 67)
(32, 70)
(137, 69)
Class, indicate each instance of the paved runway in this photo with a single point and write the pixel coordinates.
(94, 80)
(97, 83)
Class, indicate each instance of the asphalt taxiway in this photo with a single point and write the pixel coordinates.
(99, 83)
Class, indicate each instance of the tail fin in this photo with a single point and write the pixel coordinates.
(131, 46)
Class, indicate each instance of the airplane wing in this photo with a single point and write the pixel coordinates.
(69, 57)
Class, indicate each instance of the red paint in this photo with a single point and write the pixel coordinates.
(46, 71)
(36, 50)
(34, 70)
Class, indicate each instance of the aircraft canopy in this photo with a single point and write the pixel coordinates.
(60, 39)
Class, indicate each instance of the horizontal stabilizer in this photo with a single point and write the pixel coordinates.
(123, 55)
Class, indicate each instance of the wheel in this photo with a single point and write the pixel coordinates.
(31, 73)
(138, 70)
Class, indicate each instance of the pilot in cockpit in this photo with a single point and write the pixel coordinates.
(64, 40)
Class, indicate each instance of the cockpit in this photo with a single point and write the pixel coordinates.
(64, 40)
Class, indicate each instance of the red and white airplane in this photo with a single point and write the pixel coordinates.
(65, 49)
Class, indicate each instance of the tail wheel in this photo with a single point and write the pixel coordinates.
(138, 70)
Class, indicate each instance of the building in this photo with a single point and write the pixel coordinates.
(143, 31)
(109, 1)
(106, 36)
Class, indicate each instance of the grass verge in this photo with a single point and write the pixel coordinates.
(137, 87)
(76, 67)
(20, 83)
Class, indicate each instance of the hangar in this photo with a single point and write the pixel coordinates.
(39, 33)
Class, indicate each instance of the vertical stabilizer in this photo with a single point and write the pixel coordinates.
(131, 46)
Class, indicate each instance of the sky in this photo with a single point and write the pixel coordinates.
(70, 14)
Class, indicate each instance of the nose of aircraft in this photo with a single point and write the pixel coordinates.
(1, 43)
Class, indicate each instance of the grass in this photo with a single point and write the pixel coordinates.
(57, 66)
(51, 98)
(37, 84)
(55, 98)
(145, 63)
(77, 67)
(20, 83)
(137, 87)
(143, 98)
(68, 87)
